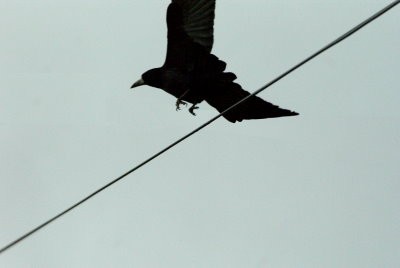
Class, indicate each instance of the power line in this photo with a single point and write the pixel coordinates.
(333, 43)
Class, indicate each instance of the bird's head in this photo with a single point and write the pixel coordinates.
(151, 78)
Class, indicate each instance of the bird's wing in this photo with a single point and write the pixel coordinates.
(198, 20)
(227, 93)
(190, 32)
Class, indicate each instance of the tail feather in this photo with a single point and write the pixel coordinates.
(227, 94)
(221, 93)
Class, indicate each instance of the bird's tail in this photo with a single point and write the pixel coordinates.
(227, 94)
(222, 92)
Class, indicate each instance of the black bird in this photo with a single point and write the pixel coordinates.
(192, 74)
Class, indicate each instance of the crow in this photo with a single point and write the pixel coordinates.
(192, 74)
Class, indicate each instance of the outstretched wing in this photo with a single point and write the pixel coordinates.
(198, 20)
(228, 93)
(190, 32)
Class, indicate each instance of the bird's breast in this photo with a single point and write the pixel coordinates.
(177, 83)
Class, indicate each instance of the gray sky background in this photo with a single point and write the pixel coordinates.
(317, 190)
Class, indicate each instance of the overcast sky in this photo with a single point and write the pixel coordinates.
(317, 190)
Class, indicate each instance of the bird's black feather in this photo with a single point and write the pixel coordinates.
(198, 20)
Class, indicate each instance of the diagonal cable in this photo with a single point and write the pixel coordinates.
(333, 43)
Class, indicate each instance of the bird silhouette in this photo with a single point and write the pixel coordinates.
(192, 74)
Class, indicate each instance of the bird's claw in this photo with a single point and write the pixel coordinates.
(178, 103)
(191, 109)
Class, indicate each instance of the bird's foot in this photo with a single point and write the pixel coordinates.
(192, 108)
(178, 103)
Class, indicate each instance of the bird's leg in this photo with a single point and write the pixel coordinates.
(192, 108)
(179, 100)
(178, 103)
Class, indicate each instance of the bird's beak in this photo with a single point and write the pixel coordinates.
(139, 82)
